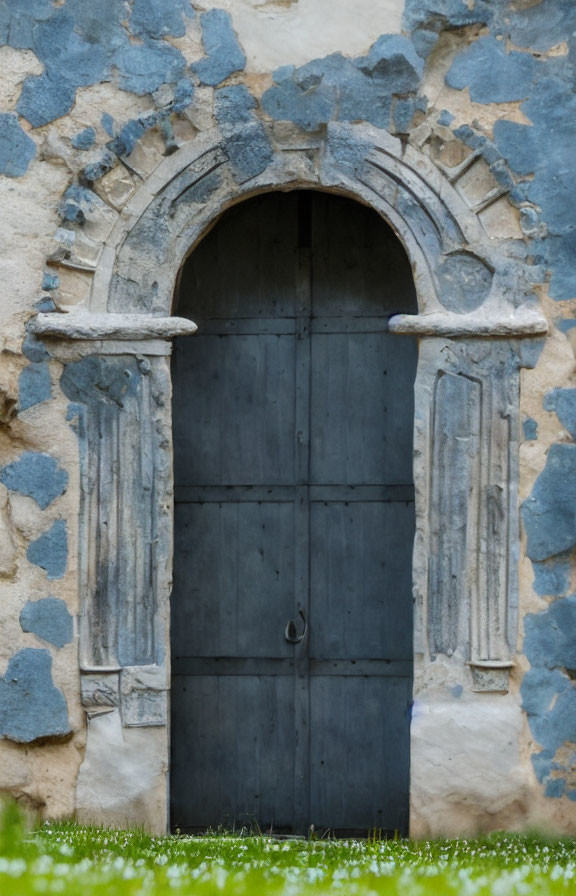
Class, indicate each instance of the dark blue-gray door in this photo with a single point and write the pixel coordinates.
(294, 523)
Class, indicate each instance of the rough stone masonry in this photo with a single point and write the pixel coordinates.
(126, 126)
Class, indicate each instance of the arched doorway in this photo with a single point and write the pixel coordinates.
(294, 522)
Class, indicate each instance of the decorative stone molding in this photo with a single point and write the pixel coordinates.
(84, 325)
(527, 322)
(466, 434)
(490, 676)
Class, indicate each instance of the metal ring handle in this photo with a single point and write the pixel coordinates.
(291, 632)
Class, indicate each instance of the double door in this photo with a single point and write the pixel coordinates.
(294, 522)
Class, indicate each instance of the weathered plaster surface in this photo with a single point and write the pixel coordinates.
(133, 792)
(291, 32)
(126, 127)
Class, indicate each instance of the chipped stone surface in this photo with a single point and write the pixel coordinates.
(100, 690)
(131, 790)
(469, 769)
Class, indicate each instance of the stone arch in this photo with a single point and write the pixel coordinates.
(456, 267)
(473, 319)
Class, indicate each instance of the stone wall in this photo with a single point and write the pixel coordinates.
(95, 100)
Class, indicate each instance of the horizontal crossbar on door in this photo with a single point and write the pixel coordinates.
(193, 665)
(286, 326)
(213, 494)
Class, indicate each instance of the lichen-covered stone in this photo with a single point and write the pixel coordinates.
(563, 402)
(426, 19)
(463, 282)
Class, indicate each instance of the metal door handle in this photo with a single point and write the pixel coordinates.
(291, 633)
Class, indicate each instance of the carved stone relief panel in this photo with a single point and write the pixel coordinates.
(467, 436)
(122, 462)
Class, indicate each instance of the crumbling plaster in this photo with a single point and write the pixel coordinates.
(94, 102)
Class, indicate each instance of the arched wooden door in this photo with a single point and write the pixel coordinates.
(294, 522)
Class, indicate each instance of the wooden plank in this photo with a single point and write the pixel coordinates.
(362, 408)
(302, 524)
(359, 752)
(234, 397)
(361, 584)
(192, 494)
(222, 665)
(251, 326)
(233, 751)
(233, 579)
(357, 256)
(246, 266)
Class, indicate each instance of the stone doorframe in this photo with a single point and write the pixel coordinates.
(476, 329)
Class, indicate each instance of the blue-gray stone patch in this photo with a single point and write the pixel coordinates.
(34, 386)
(49, 619)
(552, 577)
(84, 43)
(224, 55)
(492, 74)
(530, 429)
(563, 402)
(34, 349)
(337, 88)
(463, 281)
(50, 551)
(17, 149)
(36, 475)
(31, 707)
(549, 514)
(157, 18)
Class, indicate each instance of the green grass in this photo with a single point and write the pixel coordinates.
(71, 860)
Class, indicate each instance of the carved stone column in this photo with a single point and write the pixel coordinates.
(117, 378)
(466, 474)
